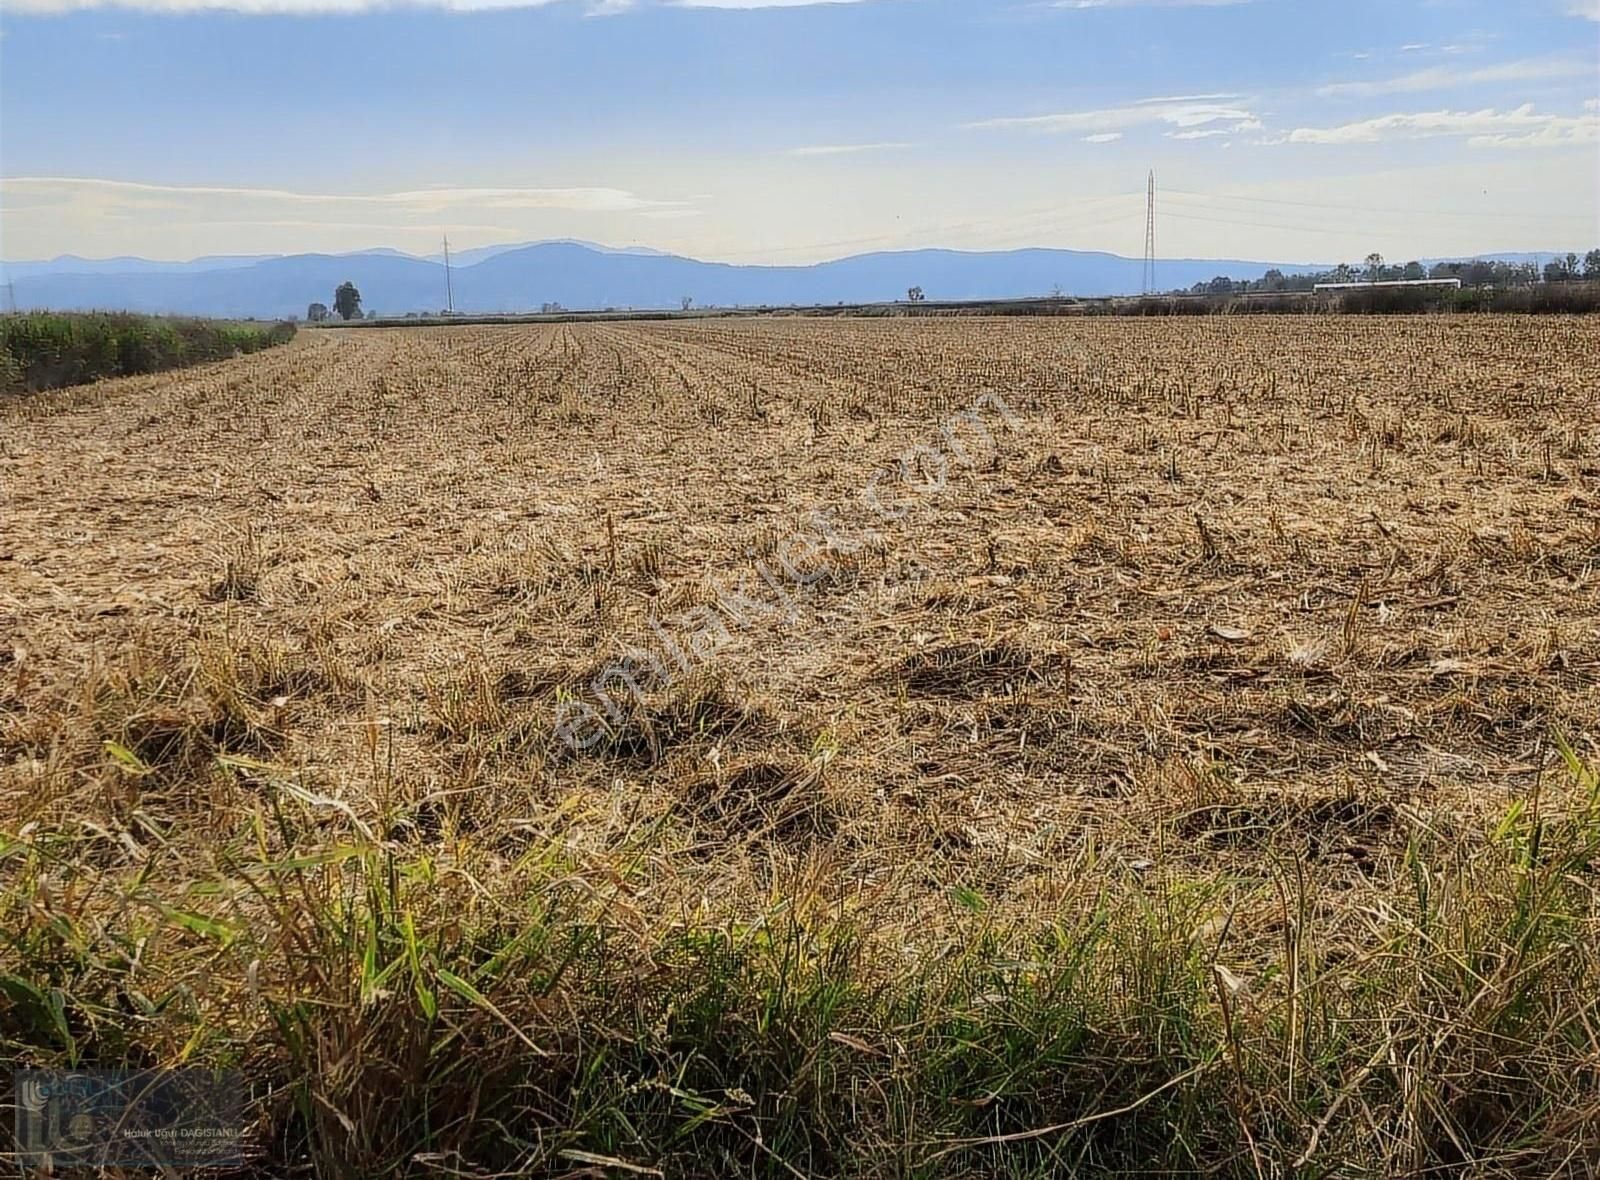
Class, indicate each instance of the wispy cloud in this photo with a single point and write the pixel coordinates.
(1443, 78)
(258, 7)
(844, 149)
(1103, 137)
(336, 7)
(427, 200)
(756, 3)
(1586, 9)
(1489, 128)
(1084, 5)
(1189, 111)
(1168, 99)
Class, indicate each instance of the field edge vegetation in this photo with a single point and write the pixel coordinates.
(42, 350)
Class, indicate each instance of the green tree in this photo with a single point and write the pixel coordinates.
(317, 312)
(915, 295)
(347, 301)
(1374, 266)
(1414, 271)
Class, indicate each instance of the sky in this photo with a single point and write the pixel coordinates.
(791, 131)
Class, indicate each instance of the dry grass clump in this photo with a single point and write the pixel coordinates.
(975, 670)
(1190, 769)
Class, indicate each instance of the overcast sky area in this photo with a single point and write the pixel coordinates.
(787, 131)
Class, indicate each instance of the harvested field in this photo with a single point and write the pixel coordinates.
(893, 747)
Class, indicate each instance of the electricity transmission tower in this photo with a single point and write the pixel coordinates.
(1150, 236)
(449, 291)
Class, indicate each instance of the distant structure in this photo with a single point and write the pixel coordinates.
(1150, 235)
(449, 292)
(1363, 286)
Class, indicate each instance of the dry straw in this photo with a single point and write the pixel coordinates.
(1201, 783)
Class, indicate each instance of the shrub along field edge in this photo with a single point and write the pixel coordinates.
(50, 350)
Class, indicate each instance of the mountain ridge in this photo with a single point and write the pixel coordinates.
(583, 276)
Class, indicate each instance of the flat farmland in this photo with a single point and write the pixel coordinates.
(823, 746)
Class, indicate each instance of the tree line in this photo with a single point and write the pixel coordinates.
(1473, 273)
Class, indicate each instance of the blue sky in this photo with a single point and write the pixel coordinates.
(760, 130)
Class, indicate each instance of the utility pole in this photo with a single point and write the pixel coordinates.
(1150, 235)
(449, 292)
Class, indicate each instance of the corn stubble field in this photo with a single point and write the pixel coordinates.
(1180, 761)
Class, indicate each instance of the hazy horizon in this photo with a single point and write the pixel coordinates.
(612, 248)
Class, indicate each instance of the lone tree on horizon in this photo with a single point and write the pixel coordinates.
(347, 301)
(317, 312)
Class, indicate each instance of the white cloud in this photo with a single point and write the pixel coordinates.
(1240, 128)
(756, 3)
(1221, 96)
(844, 149)
(1085, 5)
(334, 7)
(1175, 112)
(1440, 78)
(261, 7)
(1587, 9)
(1103, 137)
(1488, 128)
(427, 200)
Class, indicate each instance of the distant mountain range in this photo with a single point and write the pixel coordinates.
(581, 276)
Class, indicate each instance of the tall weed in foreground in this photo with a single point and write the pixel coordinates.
(410, 1010)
